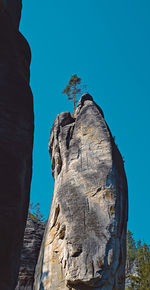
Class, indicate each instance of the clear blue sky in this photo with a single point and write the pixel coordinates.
(107, 43)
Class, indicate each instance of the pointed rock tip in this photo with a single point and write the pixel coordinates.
(86, 97)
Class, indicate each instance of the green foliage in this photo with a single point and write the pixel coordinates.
(35, 213)
(139, 254)
(131, 247)
(143, 262)
(73, 89)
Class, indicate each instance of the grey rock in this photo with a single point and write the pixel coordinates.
(16, 135)
(131, 269)
(84, 245)
(32, 241)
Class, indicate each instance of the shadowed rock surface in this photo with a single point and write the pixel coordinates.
(32, 241)
(84, 245)
(13, 9)
(16, 135)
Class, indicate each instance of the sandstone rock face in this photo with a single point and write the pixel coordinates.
(32, 241)
(84, 245)
(16, 135)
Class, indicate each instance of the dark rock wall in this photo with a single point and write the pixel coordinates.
(32, 241)
(16, 141)
(13, 9)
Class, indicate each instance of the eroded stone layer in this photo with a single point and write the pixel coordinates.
(85, 240)
(16, 142)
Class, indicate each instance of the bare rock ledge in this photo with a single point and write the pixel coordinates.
(84, 245)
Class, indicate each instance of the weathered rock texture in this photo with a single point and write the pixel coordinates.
(16, 141)
(84, 246)
(32, 241)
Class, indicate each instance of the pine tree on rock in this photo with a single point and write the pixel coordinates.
(73, 89)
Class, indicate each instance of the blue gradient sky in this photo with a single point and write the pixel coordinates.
(107, 43)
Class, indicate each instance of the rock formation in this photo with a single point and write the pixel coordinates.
(32, 241)
(84, 245)
(16, 135)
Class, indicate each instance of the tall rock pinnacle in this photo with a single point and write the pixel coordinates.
(84, 246)
(16, 140)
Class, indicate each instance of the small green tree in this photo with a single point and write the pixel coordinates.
(73, 89)
(141, 258)
(131, 248)
(143, 262)
(35, 213)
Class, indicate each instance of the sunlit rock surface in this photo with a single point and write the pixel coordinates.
(84, 246)
(16, 141)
